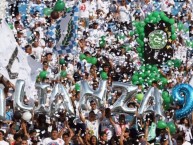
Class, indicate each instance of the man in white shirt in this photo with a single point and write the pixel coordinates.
(92, 123)
(2, 142)
(53, 140)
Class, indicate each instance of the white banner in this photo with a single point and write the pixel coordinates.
(15, 63)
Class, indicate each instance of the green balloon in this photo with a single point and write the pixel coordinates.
(135, 78)
(104, 76)
(142, 68)
(139, 97)
(156, 14)
(154, 69)
(61, 61)
(139, 49)
(77, 87)
(59, 6)
(170, 63)
(171, 21)
(63, 74)
(153, 20)
(142, 36)
(172, 127)
(47, 11)
(162, 14)
(177, 63)
(148, 67)
(103, 38)
(141, 30)
(173, 29)
(82, 56)
(88, 59)
(43, 74)
(165, 18)
(141, 55)
(164, 81)
(180, 26)
(142, 24)
(165, 94)
(147, 20)
(166, 100)
(161, 124)
(102, 43)
(173, 37)
(93, 60)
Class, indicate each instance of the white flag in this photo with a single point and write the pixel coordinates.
(15, 63)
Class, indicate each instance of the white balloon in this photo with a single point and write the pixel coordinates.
(27, 116)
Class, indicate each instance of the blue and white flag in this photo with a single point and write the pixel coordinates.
(66, 35)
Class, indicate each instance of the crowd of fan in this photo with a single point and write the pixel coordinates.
(98, 126)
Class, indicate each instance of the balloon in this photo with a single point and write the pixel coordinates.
(93, 60)
(43, 74)
(153, 20)
(139, 97)
(172, 127)
(61, 61)
(82, 56)
(88, 93)
(141, 30)
(88, 59)
(2, 104)
(173, 37)
(59, 6)
(55, 15)
(166, 100)
(156, 14)
(104, 76)
(142, 36)
(67, 100)
(27, 116)
(147, 20)
(60, 93)
(135, 78)
(42, 96)
(164, 81)
(171, 21)
(170, 63)
(177, 92)
(121, 104)
(102, 43)
(165, 94)
(18, 96)
(63, 74)
(180, 26)
(162, 14)
(77, 87)
(177, 63)
(47, 11)
(161, 124)
(154, 94)
(173, 29)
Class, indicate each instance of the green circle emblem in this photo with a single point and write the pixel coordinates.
(157, 39)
